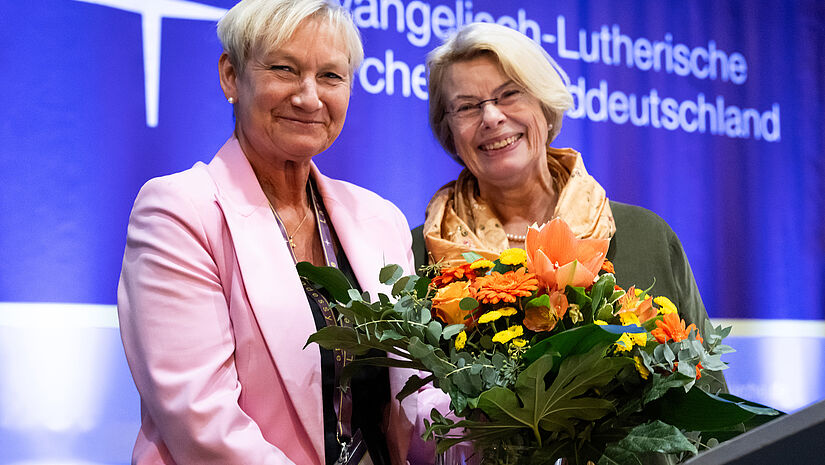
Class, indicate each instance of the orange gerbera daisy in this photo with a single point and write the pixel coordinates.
(455, 273)
(671, 327)
(497, 287)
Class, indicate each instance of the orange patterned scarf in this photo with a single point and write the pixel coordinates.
(459, 221)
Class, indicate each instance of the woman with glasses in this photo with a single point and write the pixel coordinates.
(496, 103)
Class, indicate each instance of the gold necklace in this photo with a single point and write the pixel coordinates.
(289, 236)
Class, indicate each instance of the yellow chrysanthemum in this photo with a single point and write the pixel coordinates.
(628, 340)
(629, 318)
(494, 315)
(513, 256)
(641, 368)
(509, 333)
(665, 305)
(519, 342)
(638, 292)
(624, 343)
(460, 340)
(481, 263)
(600, 322)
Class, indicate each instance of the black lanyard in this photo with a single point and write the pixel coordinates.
(342, 402)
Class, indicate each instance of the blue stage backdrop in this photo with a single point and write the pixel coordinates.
(710, 113)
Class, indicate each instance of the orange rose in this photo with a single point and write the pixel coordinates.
(445, 304)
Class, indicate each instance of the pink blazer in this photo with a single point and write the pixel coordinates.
(214, 319)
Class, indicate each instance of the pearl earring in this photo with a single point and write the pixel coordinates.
(231, 100)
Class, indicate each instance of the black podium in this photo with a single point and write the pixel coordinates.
(791, 439)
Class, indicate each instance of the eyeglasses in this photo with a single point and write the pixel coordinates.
(469, 111)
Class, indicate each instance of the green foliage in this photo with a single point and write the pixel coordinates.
(330, 278)
(570, 392)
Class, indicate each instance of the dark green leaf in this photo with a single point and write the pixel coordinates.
(657, 436)
(330, 278)
(603, 288)
(697, 410)
(422, 285)
(413, 384)
(571, 342)
(339, 337)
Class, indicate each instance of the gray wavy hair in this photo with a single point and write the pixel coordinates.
(521, 59)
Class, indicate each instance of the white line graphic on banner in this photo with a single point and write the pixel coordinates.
(152, 12)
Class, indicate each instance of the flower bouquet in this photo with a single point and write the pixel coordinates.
(543, 356)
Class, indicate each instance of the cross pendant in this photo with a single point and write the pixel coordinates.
(292, 243)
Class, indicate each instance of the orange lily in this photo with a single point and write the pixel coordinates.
(643, 309)
(560, 259)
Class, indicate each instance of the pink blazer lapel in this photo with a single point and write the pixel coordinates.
(273, 288)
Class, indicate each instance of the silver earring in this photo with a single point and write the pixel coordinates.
(231, 100)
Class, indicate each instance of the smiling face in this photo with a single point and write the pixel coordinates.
(292, 101)
(502, 146)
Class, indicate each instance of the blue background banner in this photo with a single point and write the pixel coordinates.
(709, 113)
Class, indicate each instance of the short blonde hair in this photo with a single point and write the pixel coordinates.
(521, 59)
(254, 25)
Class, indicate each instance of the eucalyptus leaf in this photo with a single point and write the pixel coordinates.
(390, 274)
(723, 349)
(353, 294)
(431, 357)
(400, 285)
(434, 332)
(450, 331)
(470, 257)
(467, 304)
